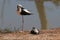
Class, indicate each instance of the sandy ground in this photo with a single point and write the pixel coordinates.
(53, 34)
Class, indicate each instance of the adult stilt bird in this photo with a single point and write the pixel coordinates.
(22, 11)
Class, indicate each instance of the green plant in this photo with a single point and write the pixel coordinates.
(7, 30)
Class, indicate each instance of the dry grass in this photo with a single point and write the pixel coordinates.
(53, 34)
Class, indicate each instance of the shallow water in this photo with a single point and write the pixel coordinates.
(10, 19)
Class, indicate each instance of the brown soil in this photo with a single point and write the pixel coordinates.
(53, 34)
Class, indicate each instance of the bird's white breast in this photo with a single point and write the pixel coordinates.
(20, 10)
